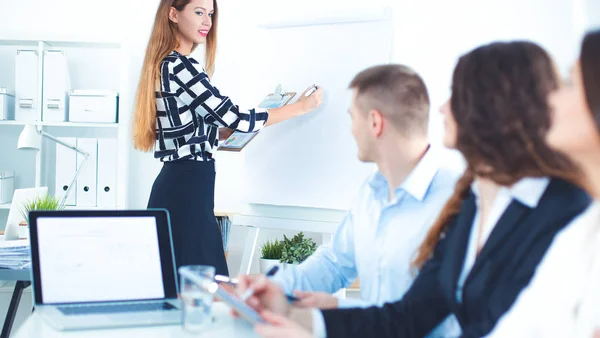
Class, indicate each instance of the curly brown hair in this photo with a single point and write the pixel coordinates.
(499, 102)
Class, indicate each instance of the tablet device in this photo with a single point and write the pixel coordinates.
(238, 140)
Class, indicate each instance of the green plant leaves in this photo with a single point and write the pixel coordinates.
(297, 249)
(47, 202)
(271, 250)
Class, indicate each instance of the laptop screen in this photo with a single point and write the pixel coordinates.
(91, 259)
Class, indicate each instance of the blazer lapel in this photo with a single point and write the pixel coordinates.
(508, 222)
(463, 228)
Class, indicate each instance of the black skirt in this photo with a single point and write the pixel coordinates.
(187, 190)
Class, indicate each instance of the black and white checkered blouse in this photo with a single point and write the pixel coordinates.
(190, 110)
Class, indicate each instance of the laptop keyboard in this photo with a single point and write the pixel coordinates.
(74, 310)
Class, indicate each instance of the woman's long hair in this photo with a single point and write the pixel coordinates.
(590, 70)
(163, 41)
(499, 103)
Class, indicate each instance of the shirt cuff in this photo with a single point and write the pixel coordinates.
(263, 121)
(318, 324)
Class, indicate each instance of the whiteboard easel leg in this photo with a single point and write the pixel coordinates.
(249, 249)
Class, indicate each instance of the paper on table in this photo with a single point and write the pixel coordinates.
(13, 245)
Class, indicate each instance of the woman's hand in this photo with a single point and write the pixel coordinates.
(320, 300)
(279, 326)
(303, 105)
(224, 133)
(311, 102)
(266, 294)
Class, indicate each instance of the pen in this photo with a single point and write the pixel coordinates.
(272, 271)
(312, 90)
(244, 297)
(225, 279)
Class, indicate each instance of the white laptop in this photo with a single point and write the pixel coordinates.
(94, 269)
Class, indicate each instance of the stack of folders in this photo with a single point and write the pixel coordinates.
(225, 226)
(14, 254)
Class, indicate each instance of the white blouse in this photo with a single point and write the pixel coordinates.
(563, 298)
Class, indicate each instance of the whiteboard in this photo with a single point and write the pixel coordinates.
(311, 161)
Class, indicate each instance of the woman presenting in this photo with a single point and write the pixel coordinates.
(178, 114)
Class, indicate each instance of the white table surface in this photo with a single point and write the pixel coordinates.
(225, 326)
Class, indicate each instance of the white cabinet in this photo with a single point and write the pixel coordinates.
(72, 90)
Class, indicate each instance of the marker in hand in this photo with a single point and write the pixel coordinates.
(312, 90)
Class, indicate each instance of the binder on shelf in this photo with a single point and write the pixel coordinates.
(87, 180)
(107, 172)
(66, 167)
(56, 85)
(26, 85)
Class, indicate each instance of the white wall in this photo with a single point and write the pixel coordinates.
(592, 13)
(432, 34)
(429, 36)
(52, 18)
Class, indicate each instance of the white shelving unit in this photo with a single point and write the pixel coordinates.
(62, 124)
(96, 65)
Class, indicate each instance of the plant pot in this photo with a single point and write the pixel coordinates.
(288, 265)
(267, 264)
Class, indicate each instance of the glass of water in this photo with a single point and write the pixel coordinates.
(196, 300)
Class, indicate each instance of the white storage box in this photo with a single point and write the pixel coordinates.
(93, 106)
(7, 105)
(7, 186)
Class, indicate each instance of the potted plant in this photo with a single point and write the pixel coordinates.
(270, 255)
(297, 249)
(46, 202)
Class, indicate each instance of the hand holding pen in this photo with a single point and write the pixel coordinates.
(260, 293)
(270, 273)
(311, 98)
(249, 292)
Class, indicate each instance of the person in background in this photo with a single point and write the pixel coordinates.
(396, 205)
(563, 299)
(496, 227)
(178, 114)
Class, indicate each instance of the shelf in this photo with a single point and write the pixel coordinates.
(61, 124)
(19, 43)
(60, 42)
(69, 207)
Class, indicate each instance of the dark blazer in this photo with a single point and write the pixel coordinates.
(503, 268)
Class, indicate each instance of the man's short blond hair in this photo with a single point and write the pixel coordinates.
(396, 91)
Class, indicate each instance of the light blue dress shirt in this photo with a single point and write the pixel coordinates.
(378, 239)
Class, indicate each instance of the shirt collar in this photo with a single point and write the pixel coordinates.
(528, 190)
(418, 181)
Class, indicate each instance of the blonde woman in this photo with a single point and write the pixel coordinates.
(178, 114)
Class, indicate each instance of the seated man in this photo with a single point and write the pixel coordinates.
(394, 208)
